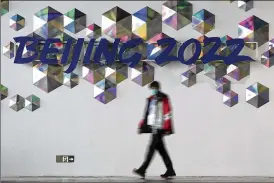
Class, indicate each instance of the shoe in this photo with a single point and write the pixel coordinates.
(139, 172)
(168, 174)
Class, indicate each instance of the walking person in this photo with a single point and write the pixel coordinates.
(157, 121)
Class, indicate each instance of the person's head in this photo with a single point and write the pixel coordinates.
(155, 87)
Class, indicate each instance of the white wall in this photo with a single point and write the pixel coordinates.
(211, 139)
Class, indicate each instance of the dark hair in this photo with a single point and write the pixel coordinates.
(155, 84)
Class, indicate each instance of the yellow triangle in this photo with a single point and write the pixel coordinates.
(142, 32)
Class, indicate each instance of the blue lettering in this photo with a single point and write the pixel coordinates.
(196, 55)
(134, 59)
(211, 54)
(164, 56)
(89, 52)
(109, 55)
(234, 56)
(48, 50)
(66, 52)
(76, 54)
(31, 47)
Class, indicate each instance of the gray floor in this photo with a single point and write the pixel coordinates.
(134, 179)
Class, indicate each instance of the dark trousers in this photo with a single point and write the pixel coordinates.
(157, 143)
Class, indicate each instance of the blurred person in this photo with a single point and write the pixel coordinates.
(157, 121)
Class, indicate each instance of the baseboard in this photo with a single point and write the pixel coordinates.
(134, 179)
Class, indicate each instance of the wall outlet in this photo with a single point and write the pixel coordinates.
(65, 159)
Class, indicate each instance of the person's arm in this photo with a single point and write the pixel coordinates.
(168, 127)
(143, 121)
